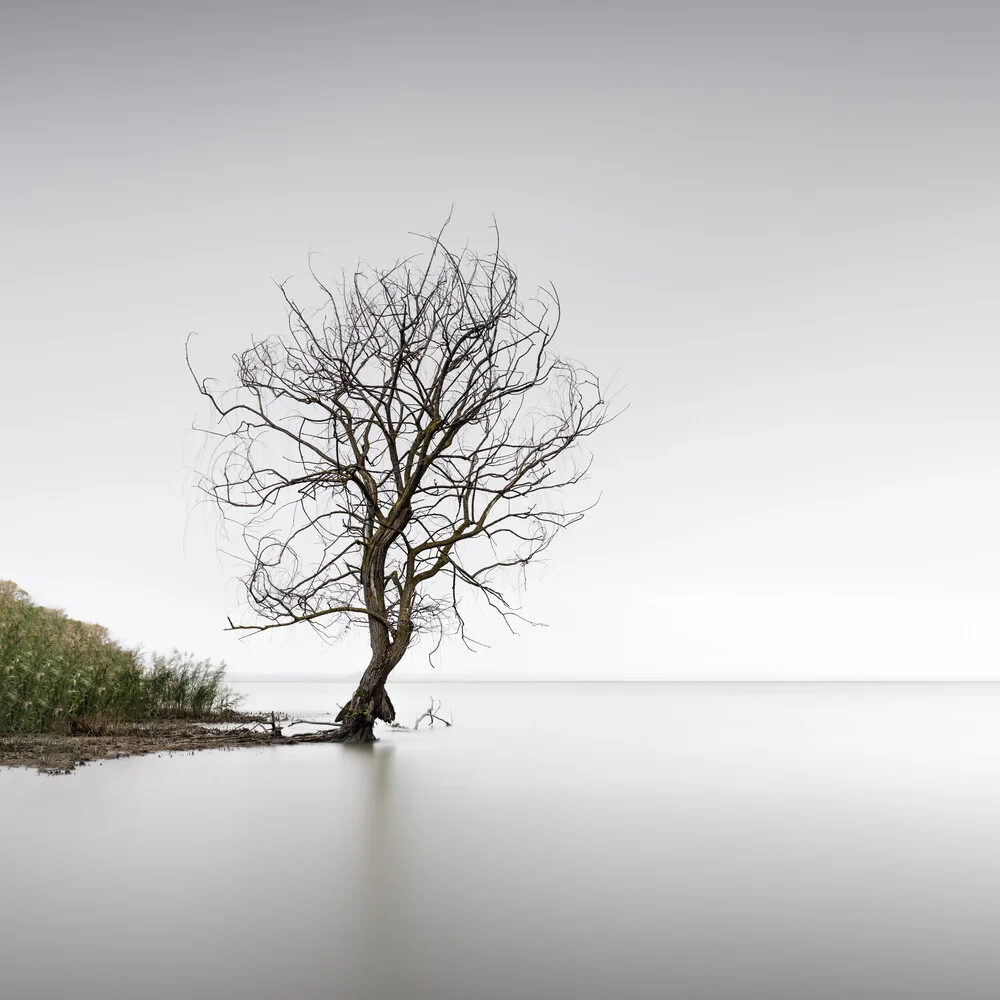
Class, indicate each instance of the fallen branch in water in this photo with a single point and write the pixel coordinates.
(431, 713)
(255, 725)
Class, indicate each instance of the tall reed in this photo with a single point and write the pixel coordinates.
(54, 670)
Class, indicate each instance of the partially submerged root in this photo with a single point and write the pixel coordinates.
(378, 706)
(354, 729)
(358, 717)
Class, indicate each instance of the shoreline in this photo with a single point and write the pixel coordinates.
(61, 753)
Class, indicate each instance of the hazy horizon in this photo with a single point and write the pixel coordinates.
(412, 677)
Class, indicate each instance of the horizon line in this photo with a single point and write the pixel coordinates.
(293, 678)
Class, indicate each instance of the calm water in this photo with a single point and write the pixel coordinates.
(584, 841)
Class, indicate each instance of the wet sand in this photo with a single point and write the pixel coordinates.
(60, 753)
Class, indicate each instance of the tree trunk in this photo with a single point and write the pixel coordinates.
(368, 704)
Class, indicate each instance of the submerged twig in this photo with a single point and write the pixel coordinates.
(431, 714)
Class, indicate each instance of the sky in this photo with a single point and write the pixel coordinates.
(773, 227)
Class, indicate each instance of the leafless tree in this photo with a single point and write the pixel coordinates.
(410, 439)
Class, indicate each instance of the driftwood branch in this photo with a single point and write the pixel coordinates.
(431, 714)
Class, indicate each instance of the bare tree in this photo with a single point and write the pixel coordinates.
(409, 440)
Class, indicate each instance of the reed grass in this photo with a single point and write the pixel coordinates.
(55, 672)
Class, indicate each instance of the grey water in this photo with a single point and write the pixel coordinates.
(578, 841)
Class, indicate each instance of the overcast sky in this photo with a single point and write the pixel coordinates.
(775, 225)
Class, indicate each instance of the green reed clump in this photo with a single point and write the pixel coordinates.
(181, 686)
(54, 669)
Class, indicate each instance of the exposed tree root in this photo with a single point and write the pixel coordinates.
(378, 705)
(358, 717)
(338, 734)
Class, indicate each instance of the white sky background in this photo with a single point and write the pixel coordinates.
(776, 225)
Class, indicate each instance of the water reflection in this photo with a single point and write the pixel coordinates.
(378, 960)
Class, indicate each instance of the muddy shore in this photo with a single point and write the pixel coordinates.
(61, 753)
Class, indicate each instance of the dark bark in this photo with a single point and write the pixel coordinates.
(369, 704)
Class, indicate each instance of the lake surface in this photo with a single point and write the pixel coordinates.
(577, 841)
